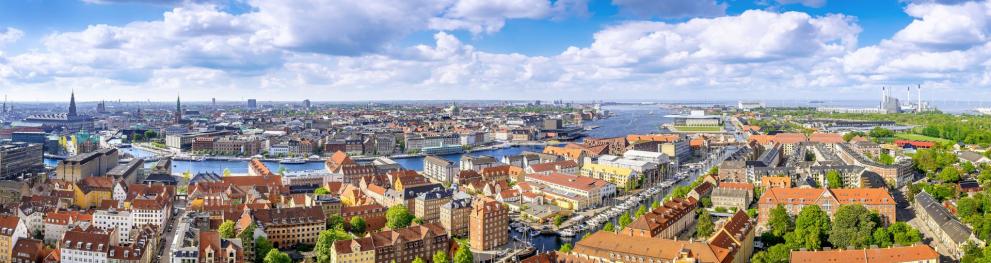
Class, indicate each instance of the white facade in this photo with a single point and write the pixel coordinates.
(120, 220)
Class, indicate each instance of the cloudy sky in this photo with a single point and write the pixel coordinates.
(493, 49)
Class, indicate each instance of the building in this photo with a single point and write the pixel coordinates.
(28, 251)
(620, 176)
(793, 199)
(18, 158)
(12, 229)
(439, 169)
(397, 245)
(732, 243)
(113, 220)
(616, 145)
(919, 253)
(350, 171)
(775, 182)
(360, 250)
(565, 167)
(729, 195)
(80, 166)
(666, 221)
(948, 231)
(477, 163)
(454, 216)
(128, 172)
(70, 121)
(252, 104)
(287, 227)
(696, 118)
(577, 192)
(488, 225)
(427, 205)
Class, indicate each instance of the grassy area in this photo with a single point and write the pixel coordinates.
(920, 137)
(698, 128)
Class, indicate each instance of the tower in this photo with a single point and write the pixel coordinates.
(178, 110)
(72, 104)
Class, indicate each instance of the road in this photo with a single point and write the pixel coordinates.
(165, 245)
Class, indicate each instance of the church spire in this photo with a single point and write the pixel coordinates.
(178, 110)
(72, 104)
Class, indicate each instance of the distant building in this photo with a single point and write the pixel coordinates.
(18, 158)
(746, 105)
(96, 163)
(696, 118)
(71, 121)
(439, 169)
(252, 104)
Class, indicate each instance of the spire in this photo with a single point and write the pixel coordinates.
(178, 110)
(72, 104)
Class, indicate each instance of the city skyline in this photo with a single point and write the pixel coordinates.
(574, 50)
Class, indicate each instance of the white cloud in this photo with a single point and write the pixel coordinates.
(809, 3)
(10, 35)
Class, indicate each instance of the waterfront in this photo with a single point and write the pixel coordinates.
(626, 119)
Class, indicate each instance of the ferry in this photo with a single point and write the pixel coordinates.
(443, 150)
(124, 145)
(292, 161)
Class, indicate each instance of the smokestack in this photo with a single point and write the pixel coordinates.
(908, 93)
(920, 96)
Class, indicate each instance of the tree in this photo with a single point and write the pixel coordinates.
(704, 226)
(641, 211)
(150, 134)
(853, 225)
(463, 255)
(811, 227)
(558, 220)
(417, 220)
(949, 174)
(780, 221)
(335, 222)
(262, 248)
(325, 242)
(706, 201)
(321, 191)
(968, 167)
(752, 212)
(274, 256)
(566, 248)
(833, 179)
(247, 236)
(881, 237)
(655, 204)
(624, 220)
(886, 159)
(879, 132)
(850, 135)
(419, 260)
(776, 254)
(227, 172)
(440, 257)
(226, 229)
(609, 227)
(358, 225)
(904, 234)
(398, 216)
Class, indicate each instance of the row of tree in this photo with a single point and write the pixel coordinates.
(812, 229)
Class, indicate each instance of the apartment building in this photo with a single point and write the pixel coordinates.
(11, 230)
(286, 227)
(666, 221)
(439, 169)
(793, 199)
(587, 191)
(919, 253)
(454, 216)
(488, 224)
(94, 163)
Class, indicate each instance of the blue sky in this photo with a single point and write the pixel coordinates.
(470, 49)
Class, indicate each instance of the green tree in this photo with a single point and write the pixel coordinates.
(704, 226)
(321, 191)
(463, 255)
(853, 225)
(881, 237)
(558, 220)
(440, 257)
(262, 248)
(833, 179)
(775, 254)
(325, 243)
(609, 227)
(150, 134)
(655, 204)
(358, 225)
(226, 229)
(398, 216)
(904, 234)
(968, 167)
(247, 237)
(335, 222)
(752, 212)
(779, 221)
(641, 211)
(624, 220)
(227, 172)
(886, 159)
(811, 227)
(274, 256)
(706, 202)
(879, 132)
(949, 174)
(566, 248)
(419, 260)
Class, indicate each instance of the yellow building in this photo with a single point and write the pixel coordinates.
(11, 229)
(91, 191)
(613, 174)
(360, 250)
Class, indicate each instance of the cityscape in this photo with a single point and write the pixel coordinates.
(457, 131)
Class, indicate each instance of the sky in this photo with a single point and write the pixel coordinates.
(343, 50)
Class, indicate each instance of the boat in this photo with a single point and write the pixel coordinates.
(534, 233)
(566, 233)
(124, 145)
(443, 150)
(292, 161)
